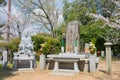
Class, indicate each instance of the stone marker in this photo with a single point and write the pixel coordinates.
(108, 56)
(73, 37)
(42, 62)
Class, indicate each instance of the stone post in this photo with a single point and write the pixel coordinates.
(108, 56)
(4, 59)
(92, 57)
(42, 62)
(92, 66)
(76, 67)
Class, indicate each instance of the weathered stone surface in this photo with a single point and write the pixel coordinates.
(72, 33)
(92, 59)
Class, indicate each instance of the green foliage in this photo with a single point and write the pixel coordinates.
(4, 45)
(92, 32)
(77, 10)
(60, 30)
(2, 1)
(0, 67)
(116, 50)
(37, 41)
(52, 46)
(14, 44)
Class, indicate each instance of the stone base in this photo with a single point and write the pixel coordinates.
(83, 65)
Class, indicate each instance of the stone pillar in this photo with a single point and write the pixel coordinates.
(4, 59)
(15, 65)
(56, 67)
(92, 66)
(76, 69)
(42, 62)
(108, 56)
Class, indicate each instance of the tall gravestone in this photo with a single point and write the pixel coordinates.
(73, 37)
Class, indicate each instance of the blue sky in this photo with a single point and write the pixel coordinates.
(59, 4)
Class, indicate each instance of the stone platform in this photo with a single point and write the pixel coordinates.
(67, 58)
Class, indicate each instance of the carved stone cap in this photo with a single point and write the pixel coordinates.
(108, 44)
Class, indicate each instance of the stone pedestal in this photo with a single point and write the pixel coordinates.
(56, 66)
(108, 56)
(76, 69)
(42, 62)
(92, 59)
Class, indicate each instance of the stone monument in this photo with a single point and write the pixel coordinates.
(71, 56)
(25, 57)
(73, 37)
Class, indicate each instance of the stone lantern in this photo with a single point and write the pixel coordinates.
(108, 56)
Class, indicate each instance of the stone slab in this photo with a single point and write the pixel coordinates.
(67, 55)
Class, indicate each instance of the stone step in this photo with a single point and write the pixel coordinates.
(25, 69)
(65, 72)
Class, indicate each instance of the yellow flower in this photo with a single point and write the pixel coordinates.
(43, 45)
(92, 48)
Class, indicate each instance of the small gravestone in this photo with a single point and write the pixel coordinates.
(73, 37)
(42, 62)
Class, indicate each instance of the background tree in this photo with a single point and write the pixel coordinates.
(102, 23)
(45, 14)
